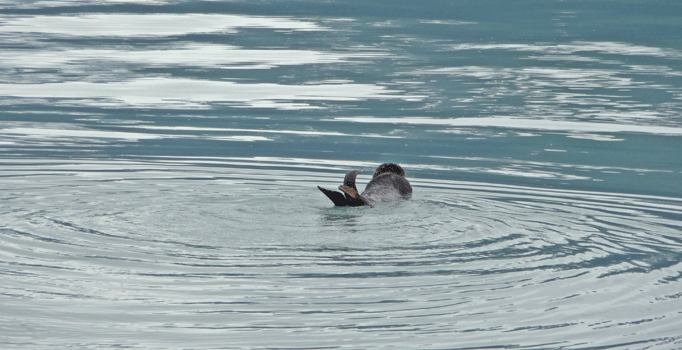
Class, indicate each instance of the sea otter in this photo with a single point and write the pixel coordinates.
(387, 184)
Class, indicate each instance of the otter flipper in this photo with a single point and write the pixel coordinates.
(388, 183)
(350, 196)
(349, 179)
(349, 191)
(342, 199)
(354, 198)
(337, 197)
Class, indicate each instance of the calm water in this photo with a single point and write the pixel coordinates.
(159, 163)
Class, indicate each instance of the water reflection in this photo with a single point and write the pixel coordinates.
(176, 55)
(159, 170)
(148, 25)
(178, 93)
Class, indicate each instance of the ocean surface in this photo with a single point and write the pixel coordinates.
(159, 162)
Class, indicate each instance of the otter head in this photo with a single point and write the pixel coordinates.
(389, 168)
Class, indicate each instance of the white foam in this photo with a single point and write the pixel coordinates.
(595, 137)
(605, 47)
(193, 55)
(28, 4)
(447, 22)
(241, 138)
(146, 25)
(525, 124)
(264, 131)
(50, 133)
(162, 92)
(537, 77)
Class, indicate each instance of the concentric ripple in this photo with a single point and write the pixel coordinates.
(148, 253)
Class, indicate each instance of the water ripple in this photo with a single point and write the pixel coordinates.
(231, 254)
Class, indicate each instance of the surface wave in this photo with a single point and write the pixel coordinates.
(224, 250)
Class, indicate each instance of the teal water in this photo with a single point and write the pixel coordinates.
(159, 163)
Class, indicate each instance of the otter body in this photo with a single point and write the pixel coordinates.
(388, 184)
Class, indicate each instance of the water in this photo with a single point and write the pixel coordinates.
(159, 163)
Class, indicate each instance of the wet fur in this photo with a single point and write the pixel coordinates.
(388, 183)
